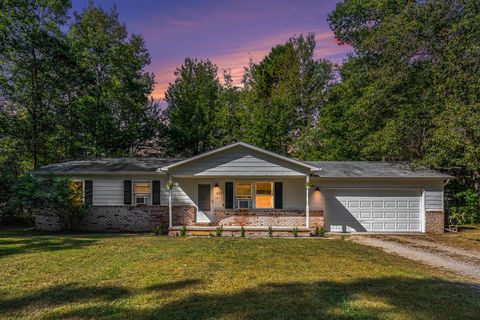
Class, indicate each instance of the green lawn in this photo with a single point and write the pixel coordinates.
(148, 277)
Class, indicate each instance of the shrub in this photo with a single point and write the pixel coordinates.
(463, 207)
(183, 231)
(295, 232)
(219, 231)
(270, 231)
(50, 196)
(319, 231)
(242, 232)
(158, 230)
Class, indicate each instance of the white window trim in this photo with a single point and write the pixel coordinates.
(252, 196)
(272, 183)
(253, 191)
(150, 194)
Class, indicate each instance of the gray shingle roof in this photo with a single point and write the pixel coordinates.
(107, 165)
(372, 169)
(327, 169)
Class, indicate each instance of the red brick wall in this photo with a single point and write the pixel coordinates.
(292, 218)
(125, 218)
(434, 222)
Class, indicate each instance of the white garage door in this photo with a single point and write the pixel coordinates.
(373, 210)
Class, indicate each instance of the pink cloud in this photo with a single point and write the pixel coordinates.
(237, 57)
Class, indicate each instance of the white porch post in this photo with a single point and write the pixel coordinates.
(170, 216)
(307, 206)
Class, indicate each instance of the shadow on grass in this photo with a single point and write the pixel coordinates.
(41, 244)
(375, 298)
(169, 286)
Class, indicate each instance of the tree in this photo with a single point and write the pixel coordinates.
(113, 99)
(228, 115)
(192, 108)
(284, 93)
(30, 48)
(410, 89)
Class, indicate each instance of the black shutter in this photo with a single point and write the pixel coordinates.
(228, 195)
(88, 193)
(156, 192)
(278, 195)
(127, 192)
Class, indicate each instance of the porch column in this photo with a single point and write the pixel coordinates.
(307, 206)
(170, 216)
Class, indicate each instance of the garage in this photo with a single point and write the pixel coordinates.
(373, 210)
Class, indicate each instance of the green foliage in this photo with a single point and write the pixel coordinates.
(69, 91)
(242, 232)
(50, 196)
(409, 91)
(270, 231)
(158, 230)
(463, 207)
(192, 108)
(285, 92)
(218, 231)
(319, 232)
(112, 105)
(295, 232)
(183, 231)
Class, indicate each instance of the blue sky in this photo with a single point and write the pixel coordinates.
(227, 32)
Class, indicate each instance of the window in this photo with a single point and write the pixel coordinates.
(264, 195)
(243, 195)
(142, 193)
(76, 186)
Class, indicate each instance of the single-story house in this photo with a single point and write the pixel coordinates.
(242, 185)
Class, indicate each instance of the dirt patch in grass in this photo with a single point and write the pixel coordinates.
(429, 254)
(148, 277)
(467, 238)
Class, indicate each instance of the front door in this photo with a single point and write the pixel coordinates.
(204, 200)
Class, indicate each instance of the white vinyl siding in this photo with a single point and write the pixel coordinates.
(434, 200)
(181, 194)
(238, 162)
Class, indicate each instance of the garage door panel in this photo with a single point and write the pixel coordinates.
(377, 204)
(378, 215)
(373, 210)
(390, 214)
(352, 204)
(414, 204)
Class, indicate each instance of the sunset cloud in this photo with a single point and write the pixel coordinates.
(237, 57)
(228, 32)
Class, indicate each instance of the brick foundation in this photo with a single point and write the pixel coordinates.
(124, 218)
(434, 222)
(248, 233)
(259, 217)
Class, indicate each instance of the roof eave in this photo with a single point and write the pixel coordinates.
(94, 172)
(246, 145)
(391, 177)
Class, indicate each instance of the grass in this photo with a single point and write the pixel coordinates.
(467, 237)
(149, 277)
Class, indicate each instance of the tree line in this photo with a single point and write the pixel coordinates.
(75, 87)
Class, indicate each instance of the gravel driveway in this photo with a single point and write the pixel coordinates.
(460, 261)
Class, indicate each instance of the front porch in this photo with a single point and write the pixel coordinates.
(281, 202)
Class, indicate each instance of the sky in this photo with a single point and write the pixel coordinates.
(227, 32)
